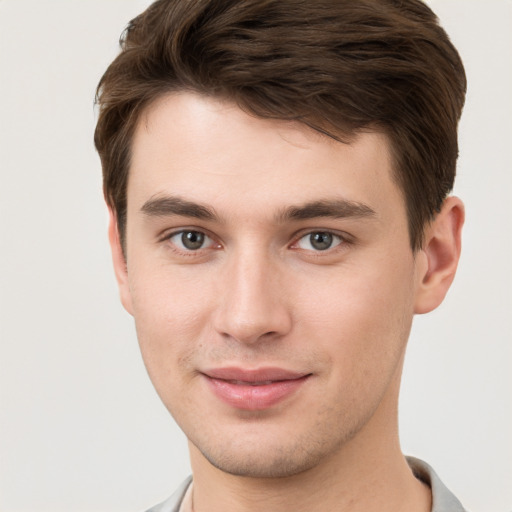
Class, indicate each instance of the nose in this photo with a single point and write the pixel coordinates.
(252, 304)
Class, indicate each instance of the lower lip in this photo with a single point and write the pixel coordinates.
(254, 398)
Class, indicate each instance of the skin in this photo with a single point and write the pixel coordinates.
(258, 294)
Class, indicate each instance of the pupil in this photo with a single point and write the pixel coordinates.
(321, 241)
(192, 239)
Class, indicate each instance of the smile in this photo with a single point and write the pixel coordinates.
(254, 390)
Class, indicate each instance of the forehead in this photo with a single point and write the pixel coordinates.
(211, 151)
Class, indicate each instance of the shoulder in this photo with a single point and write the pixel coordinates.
(442, 498)
(173, 503)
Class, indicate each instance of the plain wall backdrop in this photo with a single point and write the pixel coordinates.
(81, 428)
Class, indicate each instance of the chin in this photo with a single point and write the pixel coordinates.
(267, 456)
(261, 464)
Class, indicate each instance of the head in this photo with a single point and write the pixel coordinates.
(341, 67)
(277, 173)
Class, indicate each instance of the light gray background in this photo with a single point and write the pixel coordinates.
(81, 428)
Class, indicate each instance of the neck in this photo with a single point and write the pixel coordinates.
(368, 473)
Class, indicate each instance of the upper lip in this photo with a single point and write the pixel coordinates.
(270, 374)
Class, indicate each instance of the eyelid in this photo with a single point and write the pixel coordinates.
(168, 235)
(165, 234)
(345, 240)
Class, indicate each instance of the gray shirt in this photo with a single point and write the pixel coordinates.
(442, 499)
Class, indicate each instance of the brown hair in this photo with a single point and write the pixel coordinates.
(339, 66)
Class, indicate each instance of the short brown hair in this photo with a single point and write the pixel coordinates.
(339, 66)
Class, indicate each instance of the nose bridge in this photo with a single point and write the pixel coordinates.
(252, 304)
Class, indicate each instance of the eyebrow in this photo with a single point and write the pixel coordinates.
(166, 206)
(333, 208)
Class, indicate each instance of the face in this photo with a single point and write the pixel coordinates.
(272, 283)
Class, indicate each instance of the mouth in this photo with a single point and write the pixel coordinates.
(254, 389)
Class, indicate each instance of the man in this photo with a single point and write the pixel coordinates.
(277, 174)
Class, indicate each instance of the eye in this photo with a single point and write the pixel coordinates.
(319, 241)
(190, 240)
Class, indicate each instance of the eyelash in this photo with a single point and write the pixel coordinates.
(338, 239)
(183, 250)
(335, 241)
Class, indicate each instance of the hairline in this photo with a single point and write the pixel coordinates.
(141, 112)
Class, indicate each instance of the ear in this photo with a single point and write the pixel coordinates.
(119, 261)
(440, 256)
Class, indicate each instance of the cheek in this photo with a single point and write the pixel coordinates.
(364, 320)
(170, 314)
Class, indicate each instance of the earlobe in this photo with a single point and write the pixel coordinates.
(441, 252)
(119, 261)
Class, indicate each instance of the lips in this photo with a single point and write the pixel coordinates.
(254, 389)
